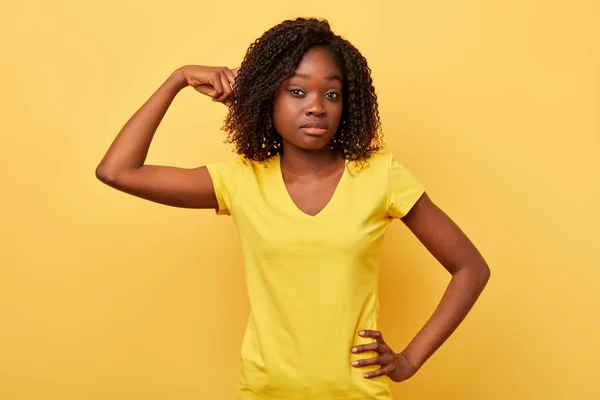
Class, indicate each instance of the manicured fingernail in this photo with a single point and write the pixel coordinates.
(355, 363)
(354, 349)
(361, 332)
(366, 375)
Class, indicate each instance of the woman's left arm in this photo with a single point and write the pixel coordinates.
(470, 273)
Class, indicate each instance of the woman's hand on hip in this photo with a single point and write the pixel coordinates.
(395, 366)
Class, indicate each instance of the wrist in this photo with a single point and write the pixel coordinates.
(403, 368)
(178, 79)
(411, 360)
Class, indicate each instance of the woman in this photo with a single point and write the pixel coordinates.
(312, 195)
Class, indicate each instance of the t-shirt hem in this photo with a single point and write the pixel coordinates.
(221, 207)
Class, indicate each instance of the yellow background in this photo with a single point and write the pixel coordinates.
(493, 105)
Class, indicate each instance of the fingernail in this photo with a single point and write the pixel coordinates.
(361, 332)
(366, 375)
(354, 349)
(355, 363)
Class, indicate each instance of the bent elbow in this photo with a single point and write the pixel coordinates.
(485, 275)
(105, 175)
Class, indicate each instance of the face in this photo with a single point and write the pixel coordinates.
(307, 107)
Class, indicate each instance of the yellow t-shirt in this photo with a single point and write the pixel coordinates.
(312, 280)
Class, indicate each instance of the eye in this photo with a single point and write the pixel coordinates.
(334, 95)
(296, 92)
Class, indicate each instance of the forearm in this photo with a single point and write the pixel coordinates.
(458, 299)
(130, 147)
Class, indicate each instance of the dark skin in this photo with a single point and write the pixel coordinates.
(470, 274)
(311, 172)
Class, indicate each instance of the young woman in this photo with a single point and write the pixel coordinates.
(312, 195)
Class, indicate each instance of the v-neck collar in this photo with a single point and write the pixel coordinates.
(290, 201)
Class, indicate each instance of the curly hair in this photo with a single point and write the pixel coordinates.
(272, 59)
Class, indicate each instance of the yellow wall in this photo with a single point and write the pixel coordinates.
(493, 105)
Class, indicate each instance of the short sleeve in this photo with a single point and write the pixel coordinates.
(225, 177)
(404, 189)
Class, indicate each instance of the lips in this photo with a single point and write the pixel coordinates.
(314, 128)
(315, 125)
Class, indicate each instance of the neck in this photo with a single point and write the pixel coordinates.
(300, 162)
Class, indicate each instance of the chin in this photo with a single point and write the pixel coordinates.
(307, 142)
(314, 145)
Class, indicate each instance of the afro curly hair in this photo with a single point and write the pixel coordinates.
(272, 59)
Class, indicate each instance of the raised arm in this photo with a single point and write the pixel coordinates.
(123, 168)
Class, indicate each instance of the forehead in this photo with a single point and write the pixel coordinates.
(318, 62)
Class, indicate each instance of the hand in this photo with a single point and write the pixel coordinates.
(396, 366)
(215, 82)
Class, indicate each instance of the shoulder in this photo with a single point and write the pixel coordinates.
(239, 165)
(379, 156)
(378, 163)
(380, 159)
(386, 160)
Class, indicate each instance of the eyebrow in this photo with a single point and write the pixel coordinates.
(329, 78)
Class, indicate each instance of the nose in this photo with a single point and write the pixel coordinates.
(315, 107)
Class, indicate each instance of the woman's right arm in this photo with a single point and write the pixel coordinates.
(123, 168)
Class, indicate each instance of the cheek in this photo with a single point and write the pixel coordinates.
(336, 112)
(284, 114)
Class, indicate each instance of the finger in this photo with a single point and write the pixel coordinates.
(368, 361)
(226, 88)
(235, 71)
(224, 92)
(377, 335)
(381, 371)
(215, 82)
(367, 347)
(204, 89)
(227, 82)
(230, 76)
(384, 357)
